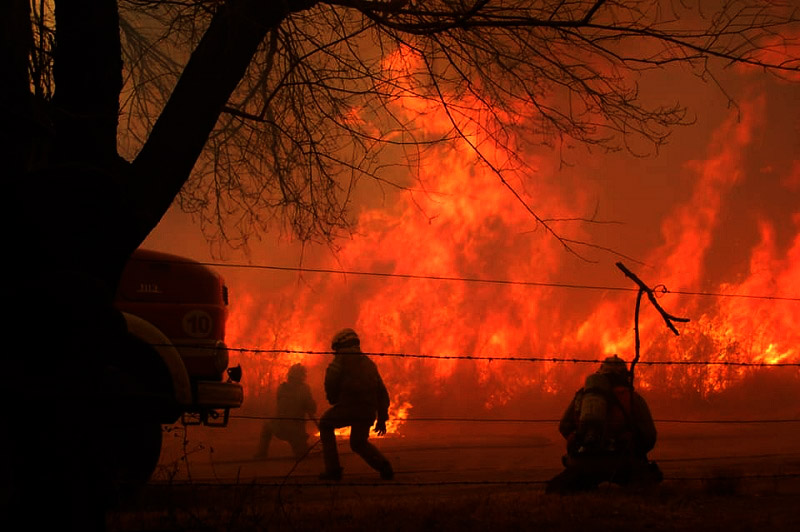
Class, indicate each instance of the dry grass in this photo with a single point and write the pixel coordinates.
(246, 508)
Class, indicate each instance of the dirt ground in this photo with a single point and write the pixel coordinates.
(731, 477)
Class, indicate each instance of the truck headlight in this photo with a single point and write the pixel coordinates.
(221, 357)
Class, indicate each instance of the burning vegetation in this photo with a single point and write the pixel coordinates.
(461, 271)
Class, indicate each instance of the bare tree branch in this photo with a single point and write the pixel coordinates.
(321, 105)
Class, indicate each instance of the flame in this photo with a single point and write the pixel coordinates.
(463, 223)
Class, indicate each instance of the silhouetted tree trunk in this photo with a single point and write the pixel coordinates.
(76, 211)
(15, 44)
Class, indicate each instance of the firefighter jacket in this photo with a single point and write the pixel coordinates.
(352, 381)
(294, 403)
(628, 422)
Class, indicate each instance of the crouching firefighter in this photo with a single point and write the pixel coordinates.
(609, 431)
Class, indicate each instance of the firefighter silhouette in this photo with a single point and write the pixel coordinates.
(294, 404)
(355, 389)
(609, 431)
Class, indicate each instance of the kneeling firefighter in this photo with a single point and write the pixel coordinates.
(609, 431)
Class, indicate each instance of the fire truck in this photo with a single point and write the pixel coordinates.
(176, 308)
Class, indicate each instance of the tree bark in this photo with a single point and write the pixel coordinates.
(15, 44)
(70, 235)
(69, 198)
(88, 78)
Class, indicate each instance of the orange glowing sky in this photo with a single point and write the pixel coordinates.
(717, 210)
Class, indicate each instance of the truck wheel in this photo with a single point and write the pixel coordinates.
(135, 448)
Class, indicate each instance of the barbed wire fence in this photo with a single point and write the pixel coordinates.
(544, 421)
(286, 480)
(489, 482)
(660, 290)
(488, 358)
(275, 487)
(260, 492)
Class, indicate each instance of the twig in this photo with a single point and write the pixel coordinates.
(668, 318)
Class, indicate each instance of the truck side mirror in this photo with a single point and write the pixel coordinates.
(235, 374)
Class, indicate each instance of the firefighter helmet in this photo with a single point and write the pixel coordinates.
(297, 372)
(613, 364)
(344, 339)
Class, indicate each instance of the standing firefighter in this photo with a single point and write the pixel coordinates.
(609, 431)
(294, 404)
(355, 389)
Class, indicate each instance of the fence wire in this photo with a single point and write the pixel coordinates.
(535, 420)
(481, 280)
(441, 483)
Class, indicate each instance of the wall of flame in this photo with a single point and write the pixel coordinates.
(718, 211)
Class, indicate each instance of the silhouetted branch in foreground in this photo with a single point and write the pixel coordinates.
(644, 289)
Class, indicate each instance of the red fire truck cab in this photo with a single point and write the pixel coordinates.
(179, 307)
(175, 354)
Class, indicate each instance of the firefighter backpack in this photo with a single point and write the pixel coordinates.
(603, 411)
